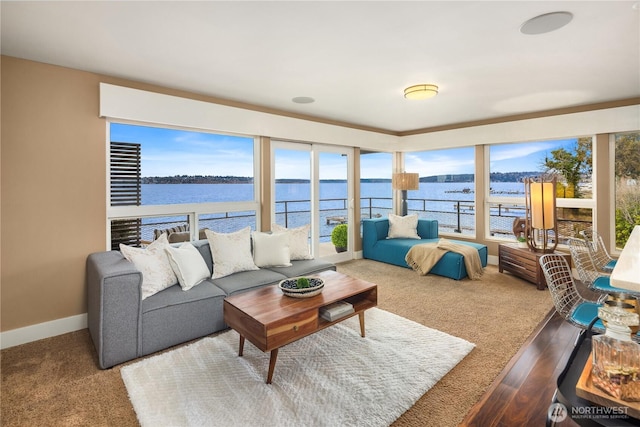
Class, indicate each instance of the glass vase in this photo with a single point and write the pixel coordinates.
(616, 358)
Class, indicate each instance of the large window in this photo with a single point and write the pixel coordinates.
(180, 181)
(447, 188)
(569, 160)
(376, 197)
(627, 185)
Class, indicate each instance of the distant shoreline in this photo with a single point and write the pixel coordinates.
(210, 179)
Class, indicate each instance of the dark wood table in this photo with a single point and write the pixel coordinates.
(270, 320)
(524, 263)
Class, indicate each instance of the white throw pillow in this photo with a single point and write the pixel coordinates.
(403, 227)
(231, 252)
(153, 262)
(271, 250)
(298, 241)
(188, 265)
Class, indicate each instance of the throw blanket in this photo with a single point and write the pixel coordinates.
(423, 257)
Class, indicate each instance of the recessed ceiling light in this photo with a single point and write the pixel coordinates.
(546, 23)
(303, 100)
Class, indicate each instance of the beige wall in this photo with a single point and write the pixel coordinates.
(53, 190)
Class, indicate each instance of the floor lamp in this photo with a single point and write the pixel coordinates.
(404, 181)
(540, 210)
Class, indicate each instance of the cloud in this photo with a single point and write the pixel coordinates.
(518, 151)
(441, 162)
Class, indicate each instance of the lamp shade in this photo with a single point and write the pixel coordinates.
(405, 181)
(540, 213)
(543, 205)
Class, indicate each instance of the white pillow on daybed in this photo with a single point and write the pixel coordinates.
(403, 227)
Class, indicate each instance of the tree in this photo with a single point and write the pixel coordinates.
(627, 171)
(628, 155)
(572, 165)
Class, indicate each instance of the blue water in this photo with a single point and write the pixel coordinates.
(442, 204)
(163, 194)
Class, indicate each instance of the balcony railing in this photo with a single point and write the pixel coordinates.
(454, 216)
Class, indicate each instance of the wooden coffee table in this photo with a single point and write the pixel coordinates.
(270, 320)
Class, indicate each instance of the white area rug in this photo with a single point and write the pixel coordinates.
(331, 378)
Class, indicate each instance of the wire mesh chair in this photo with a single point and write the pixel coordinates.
(572, 306)
(587, 272)
(599, 254)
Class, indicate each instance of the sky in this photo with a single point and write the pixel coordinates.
(169, 152)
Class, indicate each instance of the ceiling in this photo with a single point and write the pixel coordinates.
(353, 58)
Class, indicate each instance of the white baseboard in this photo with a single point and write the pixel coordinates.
(42, 330)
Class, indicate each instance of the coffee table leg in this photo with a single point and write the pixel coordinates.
(241, 346)
(361, 316)
(272, 365)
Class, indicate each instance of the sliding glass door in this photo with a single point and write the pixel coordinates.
(335, 203)
(312, 184)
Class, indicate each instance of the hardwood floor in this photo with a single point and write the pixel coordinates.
(522, 393)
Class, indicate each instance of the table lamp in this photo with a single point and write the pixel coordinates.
(540, 214)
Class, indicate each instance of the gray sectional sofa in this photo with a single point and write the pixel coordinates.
(123, 326)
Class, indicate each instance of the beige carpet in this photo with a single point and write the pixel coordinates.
(56, 382)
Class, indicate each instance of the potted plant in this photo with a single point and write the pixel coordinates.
(339, 237)
(522, 242)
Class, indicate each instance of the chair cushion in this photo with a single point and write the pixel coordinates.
(584, 314)
(609, 266)
(603, 283)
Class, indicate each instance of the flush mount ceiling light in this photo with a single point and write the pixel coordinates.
(423, 91)
(546, 23)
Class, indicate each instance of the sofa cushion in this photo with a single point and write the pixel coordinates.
(231, 252)
(154, 264)
(394, 251)
(245, 280)
(403, 227)
(174, 316)
(188, 265)
(176, 296)
(304, 267)
(271, 249)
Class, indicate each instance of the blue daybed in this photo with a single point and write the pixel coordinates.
(376, 246)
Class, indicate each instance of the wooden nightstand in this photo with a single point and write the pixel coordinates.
(524, 263)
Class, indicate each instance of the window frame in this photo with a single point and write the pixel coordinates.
(192, 210)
